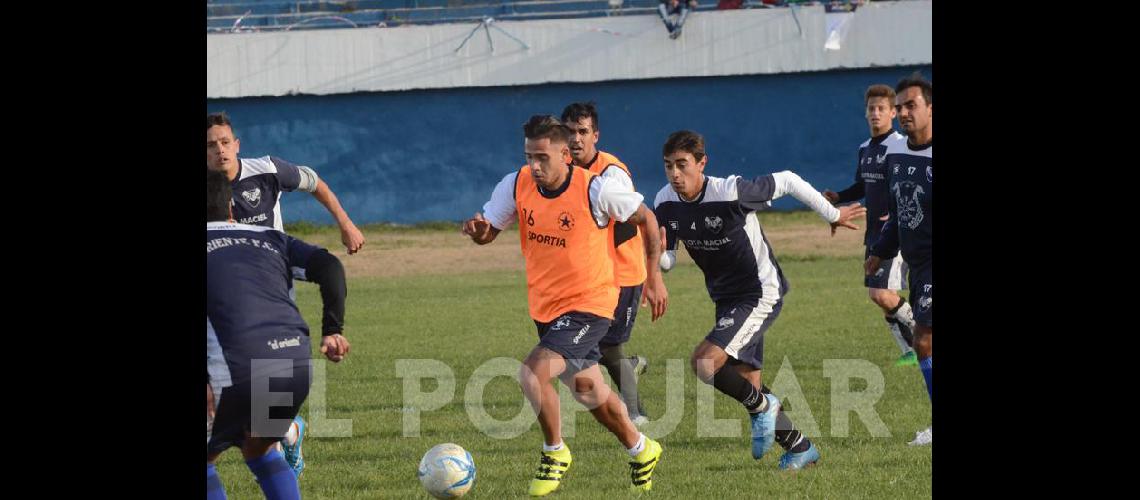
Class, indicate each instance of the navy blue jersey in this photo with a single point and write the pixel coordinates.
(723, 236)
(871, 183)
(911, 223)
(249, 314)
(257, 190)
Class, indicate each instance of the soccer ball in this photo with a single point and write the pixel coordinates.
(447, 471)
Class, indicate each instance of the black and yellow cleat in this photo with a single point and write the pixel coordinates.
(642, 466)
(550, 472)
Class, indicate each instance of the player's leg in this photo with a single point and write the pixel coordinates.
(664, 12)
(622, 369)
(275, 400)
(590, 390)
(922, 301)
(799, 451)
(535, 375)
(548, 360)
(268, 465)
(882, 290)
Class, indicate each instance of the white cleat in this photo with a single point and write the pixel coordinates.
(922, 438)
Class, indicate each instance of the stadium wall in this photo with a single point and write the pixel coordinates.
(427, 155)
(715, 43)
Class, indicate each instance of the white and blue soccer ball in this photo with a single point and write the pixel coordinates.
(447, 471)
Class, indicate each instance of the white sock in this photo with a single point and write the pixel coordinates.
(291, 435)
(547, 447)
(639, 447)
(904, 346)
(905, 315)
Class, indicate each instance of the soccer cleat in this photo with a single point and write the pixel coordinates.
(640, 364)
(764, 427)
(675, 33)
(796, 461)
(293, 455)
(550, 471)
(923, 438)
(908, 359)
(642, 466)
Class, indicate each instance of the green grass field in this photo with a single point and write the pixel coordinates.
(464, 318)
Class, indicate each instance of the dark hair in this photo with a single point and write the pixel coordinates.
(213, 119)
(687, 141)
(880, 90)
(547, 127)
(916, 80)
(579, 110)
(218, 196)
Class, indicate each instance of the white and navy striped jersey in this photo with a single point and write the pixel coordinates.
(871, 183)
(911, 223)
(249, 314)
(257, 190)
(722, 234)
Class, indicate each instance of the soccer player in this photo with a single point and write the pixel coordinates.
(258, 363)
(716, 220)
(258, 183)
(630, 263)
(564, 216)
(910, 223)
(871, 183)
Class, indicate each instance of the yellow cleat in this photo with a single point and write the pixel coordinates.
(641, 468)
(550, 471)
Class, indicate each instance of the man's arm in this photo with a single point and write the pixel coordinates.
(887, 245)
(500, 210)
(614, 199)
(654, 292)
(301, 178)
(771, 187)
(352, 238)
(317, 265)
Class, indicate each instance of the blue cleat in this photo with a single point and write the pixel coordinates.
(796, 461)
(764, 427)
(293, 453)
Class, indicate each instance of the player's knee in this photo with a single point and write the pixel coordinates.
(703, 368)
(527, 376)
(886, 299)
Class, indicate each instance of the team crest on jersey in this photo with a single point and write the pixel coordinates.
(253, 197)
(930, 173)
(725, 322)
(715, 224)
(880, 159)
(565, 221)
(908, 196)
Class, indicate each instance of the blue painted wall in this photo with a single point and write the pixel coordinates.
(436, 155)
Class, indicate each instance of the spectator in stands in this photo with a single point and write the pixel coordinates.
(729, 4)
(680, 8)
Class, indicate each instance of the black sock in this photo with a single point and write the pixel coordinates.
(620, 369)
(729, 381)
(790, 438)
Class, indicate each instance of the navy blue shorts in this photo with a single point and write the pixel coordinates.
(624, 316)
(575, 336)
(740, 327)
(278, 399)
(922, 293)
(891, 274)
